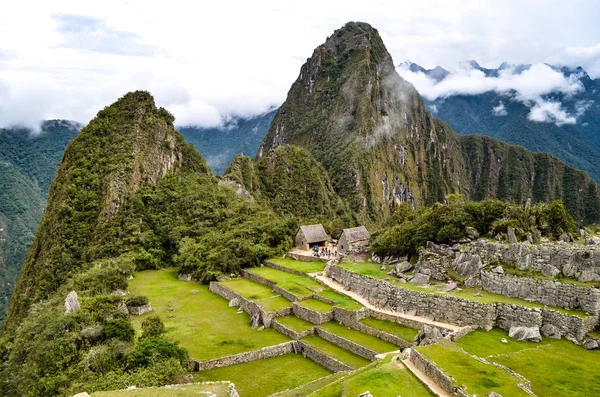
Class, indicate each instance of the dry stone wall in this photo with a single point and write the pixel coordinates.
(461, 311)
(290, 332)
(305, 258)
(310, 315)
(323, 359)
(283, 268)
(261, 354)
(548, 292)
(257, 279)
(346, 344)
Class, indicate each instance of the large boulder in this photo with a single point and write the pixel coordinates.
(469, 267)
(512, 237)
(420, 279)
(403, 267)
(71, 303)
(551, 331)
(525, 334)
(472, 233)
(591, 344)
(427, 335)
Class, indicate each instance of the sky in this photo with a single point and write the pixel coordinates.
(206, 61)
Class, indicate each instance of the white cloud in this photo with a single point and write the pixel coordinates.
(205, 60)
(528, 87)
(499, 110)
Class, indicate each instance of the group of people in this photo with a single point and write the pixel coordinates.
(323, 252)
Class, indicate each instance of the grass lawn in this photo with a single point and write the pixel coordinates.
(554, 367)
(404, 332)
(374, 270)
(336, 352)
(258, 293)
(382, 379)
(316, 305)
(264, 377)
(302, 266)
(295, 323)
(203, 322)
(477, 377)
(362, 339)
(305, 286)
(313, 386)
(221, 390)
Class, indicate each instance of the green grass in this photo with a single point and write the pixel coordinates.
(406, 333)
(221, 390)
(563, 279)
(477, 377)
(295, 323)
(362, 339)
(555, 367)
(203, 322)
(309, 388)
(336, 352)
(316, 305)
(264, 377)
(302, 266)
(305, 286)
(385, 378)
(258, 293)
(373, 270)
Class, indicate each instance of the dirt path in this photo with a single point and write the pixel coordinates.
(340, 288)
(434, 387)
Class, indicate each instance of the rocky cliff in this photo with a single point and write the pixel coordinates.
(380, 145)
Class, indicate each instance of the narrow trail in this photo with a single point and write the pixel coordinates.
(434, 387)
(341, 289)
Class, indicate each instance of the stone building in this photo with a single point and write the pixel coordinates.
(352, 238)
(310, 235)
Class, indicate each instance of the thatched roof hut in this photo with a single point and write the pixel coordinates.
(352, 238)
(310, 235)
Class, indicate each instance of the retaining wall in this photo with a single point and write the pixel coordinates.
(310, 315)
(346, 344)
(261, 354)
(459, 311)
(548, 292)
(283, 268)
(306, 258)
(257, 279)
(436, 374)
(321, 358)
(248, 306)
(400, 320)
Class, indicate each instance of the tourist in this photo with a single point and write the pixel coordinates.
(378, 304)
(444, 333)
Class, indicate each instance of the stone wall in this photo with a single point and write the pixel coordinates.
(459, 311)
(386, 336)
(436, 374)
(310, 315)
(548, 292)
(400, 320)
(139, 310)
(290, 332)
(261, 354)
(284, 269)
(442, 308)
(347, 317)
(346, 344)
(305, 258)
(248, 306)
(323, 359)
(257, 279)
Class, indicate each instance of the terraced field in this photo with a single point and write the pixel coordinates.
(362, 339)
(342, 355)
(301, 266)
(401, 331)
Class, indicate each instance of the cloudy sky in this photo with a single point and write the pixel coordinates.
(205, 60)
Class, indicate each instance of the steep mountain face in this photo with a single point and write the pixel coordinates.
(127, 144)
(28, 163)
(502, 117)
(290, 181)
(219, 146)
(380, 145)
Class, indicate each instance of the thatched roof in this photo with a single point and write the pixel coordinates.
(314, 233)
(355, 234)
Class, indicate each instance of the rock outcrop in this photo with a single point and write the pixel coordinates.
(71, 303)
(525, 334)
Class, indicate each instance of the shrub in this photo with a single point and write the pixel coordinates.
(136, 301)
(152, 326)
(119, 329)
(151, 350)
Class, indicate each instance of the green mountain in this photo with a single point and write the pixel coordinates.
(219, 146)
(28, 163)
(129, 194)
(381, 146)
(577, 144)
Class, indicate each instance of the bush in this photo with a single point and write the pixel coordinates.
(151, 350)
(137, 301)
(119, 329)
(152, 327)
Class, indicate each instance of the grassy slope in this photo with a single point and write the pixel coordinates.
(258, 293)
(365, 340)
(202, 322)
(265, 377)
(477, 377)
(316, 305)
(302, 266)
(554, 367)
(295, 323)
